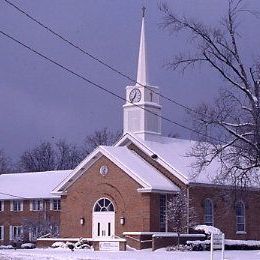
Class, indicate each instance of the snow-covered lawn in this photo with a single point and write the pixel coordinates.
(66, 254)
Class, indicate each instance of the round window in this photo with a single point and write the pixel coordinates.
(103, 170)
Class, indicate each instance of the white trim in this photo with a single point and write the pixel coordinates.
(91, 159)
(150, 152)
(149, 190)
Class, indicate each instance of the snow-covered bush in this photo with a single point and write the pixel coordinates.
(242, 244)
(207, 229)
(229, 245)
(28, 246)
(81, 244)
(59, 245)
(179, 248)
(198, 245)
(6, 247)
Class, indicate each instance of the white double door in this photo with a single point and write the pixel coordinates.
(103, 224)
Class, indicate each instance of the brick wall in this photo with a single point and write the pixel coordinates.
(224, 199)
(117, 186)
(10, 218)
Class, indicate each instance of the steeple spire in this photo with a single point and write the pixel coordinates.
(142, 73)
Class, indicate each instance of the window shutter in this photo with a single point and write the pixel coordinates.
(21, 205)
(2, 232)
(31, 205)
(41, 207)
(11, 205)
(11, 232)
(30, 235)
(51, 204)
(3, 205)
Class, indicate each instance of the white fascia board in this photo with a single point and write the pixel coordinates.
(86, 163)
(73, 176)
(149, 152)
(125, 168)
(141, 105)
(150, 190)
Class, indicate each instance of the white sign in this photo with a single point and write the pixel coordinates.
(108, 246)
(217, 241)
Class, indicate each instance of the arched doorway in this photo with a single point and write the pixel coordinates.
(103, 219)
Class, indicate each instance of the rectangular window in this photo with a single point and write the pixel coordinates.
(240, 216)
(36, 205)
(16, 205)
(2, 205)
(16, 232)
(2, 233)
(240, 224)
(163, 199)
(55, 204)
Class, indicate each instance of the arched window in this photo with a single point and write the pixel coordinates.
(103, 205)
(240, 216)
(208, 212)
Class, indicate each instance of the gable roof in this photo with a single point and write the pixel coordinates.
(30, 185)
(173, 155)
(131, 163)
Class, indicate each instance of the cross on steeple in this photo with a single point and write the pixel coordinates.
(143, 8)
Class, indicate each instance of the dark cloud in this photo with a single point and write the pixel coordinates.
(39, 100)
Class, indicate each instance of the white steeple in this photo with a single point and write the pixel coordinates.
(142, 110)
(142, 73)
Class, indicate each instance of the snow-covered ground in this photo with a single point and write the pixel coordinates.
(66, 254)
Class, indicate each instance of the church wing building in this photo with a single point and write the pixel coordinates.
(122, 190)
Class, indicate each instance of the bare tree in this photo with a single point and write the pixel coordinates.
(100, 137)
(67, 156)
(5, 164)
(228, 131)
(33, 229)
(48, 156)
(180, 214)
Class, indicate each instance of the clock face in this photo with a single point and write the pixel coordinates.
(135, 95)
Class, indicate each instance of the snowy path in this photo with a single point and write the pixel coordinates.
(65, 254)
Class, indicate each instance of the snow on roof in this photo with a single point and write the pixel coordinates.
(173, 154)
(147, 176)
(139, 169)
(30, 185)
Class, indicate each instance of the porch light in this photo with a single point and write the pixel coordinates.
(122, 220)
(82, 221)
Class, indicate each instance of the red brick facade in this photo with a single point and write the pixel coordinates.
(224, 199)
(140, 210)
(11, 218)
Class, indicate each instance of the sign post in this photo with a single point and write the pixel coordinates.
(217, 241)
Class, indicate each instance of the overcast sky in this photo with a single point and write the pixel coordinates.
(39, 101)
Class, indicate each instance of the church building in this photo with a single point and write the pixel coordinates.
(122, 190)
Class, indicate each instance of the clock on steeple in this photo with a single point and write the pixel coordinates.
(142, 110)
